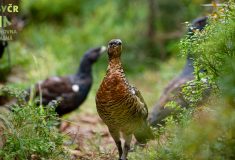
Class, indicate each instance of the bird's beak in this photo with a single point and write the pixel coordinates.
(103, 49)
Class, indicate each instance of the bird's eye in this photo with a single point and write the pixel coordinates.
(111, 43)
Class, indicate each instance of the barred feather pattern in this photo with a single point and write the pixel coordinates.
(119, 104)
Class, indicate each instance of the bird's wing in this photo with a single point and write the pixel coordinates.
(144, 132)
(140, 99)
(171, 92)
(54, 87)
(57, 84)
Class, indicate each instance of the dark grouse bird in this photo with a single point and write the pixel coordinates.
(3, 45)
(120, 105)
(173, 91)
(70, 91)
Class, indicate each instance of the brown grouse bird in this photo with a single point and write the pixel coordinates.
(120, 105)
(70, 91)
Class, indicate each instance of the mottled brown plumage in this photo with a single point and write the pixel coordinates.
(120, 105)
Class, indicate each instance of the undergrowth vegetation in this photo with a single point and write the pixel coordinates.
(29, 131)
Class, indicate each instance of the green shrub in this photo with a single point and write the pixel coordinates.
(215, 45)
(30, 131)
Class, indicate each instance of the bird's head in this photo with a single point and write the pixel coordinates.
(198, 24)
(93, 54)
(114, 48)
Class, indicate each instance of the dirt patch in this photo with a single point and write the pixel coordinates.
(90, 138)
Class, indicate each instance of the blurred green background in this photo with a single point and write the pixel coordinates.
(58, 32)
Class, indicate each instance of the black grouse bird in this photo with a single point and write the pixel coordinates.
(173, 91)
(70, 91)
(3, 45)
(120, 105)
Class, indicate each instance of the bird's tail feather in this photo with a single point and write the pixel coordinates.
(157, 116)
(144, 133)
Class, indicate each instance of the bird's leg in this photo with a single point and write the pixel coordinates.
(116, 137)
(127, 139)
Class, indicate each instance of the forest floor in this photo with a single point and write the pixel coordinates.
(89, 137)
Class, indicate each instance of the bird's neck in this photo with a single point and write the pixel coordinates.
(85, 67)
(189, 68)
(115, 65)
(115, 72)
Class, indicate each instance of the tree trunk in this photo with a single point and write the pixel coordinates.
(155, 46)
